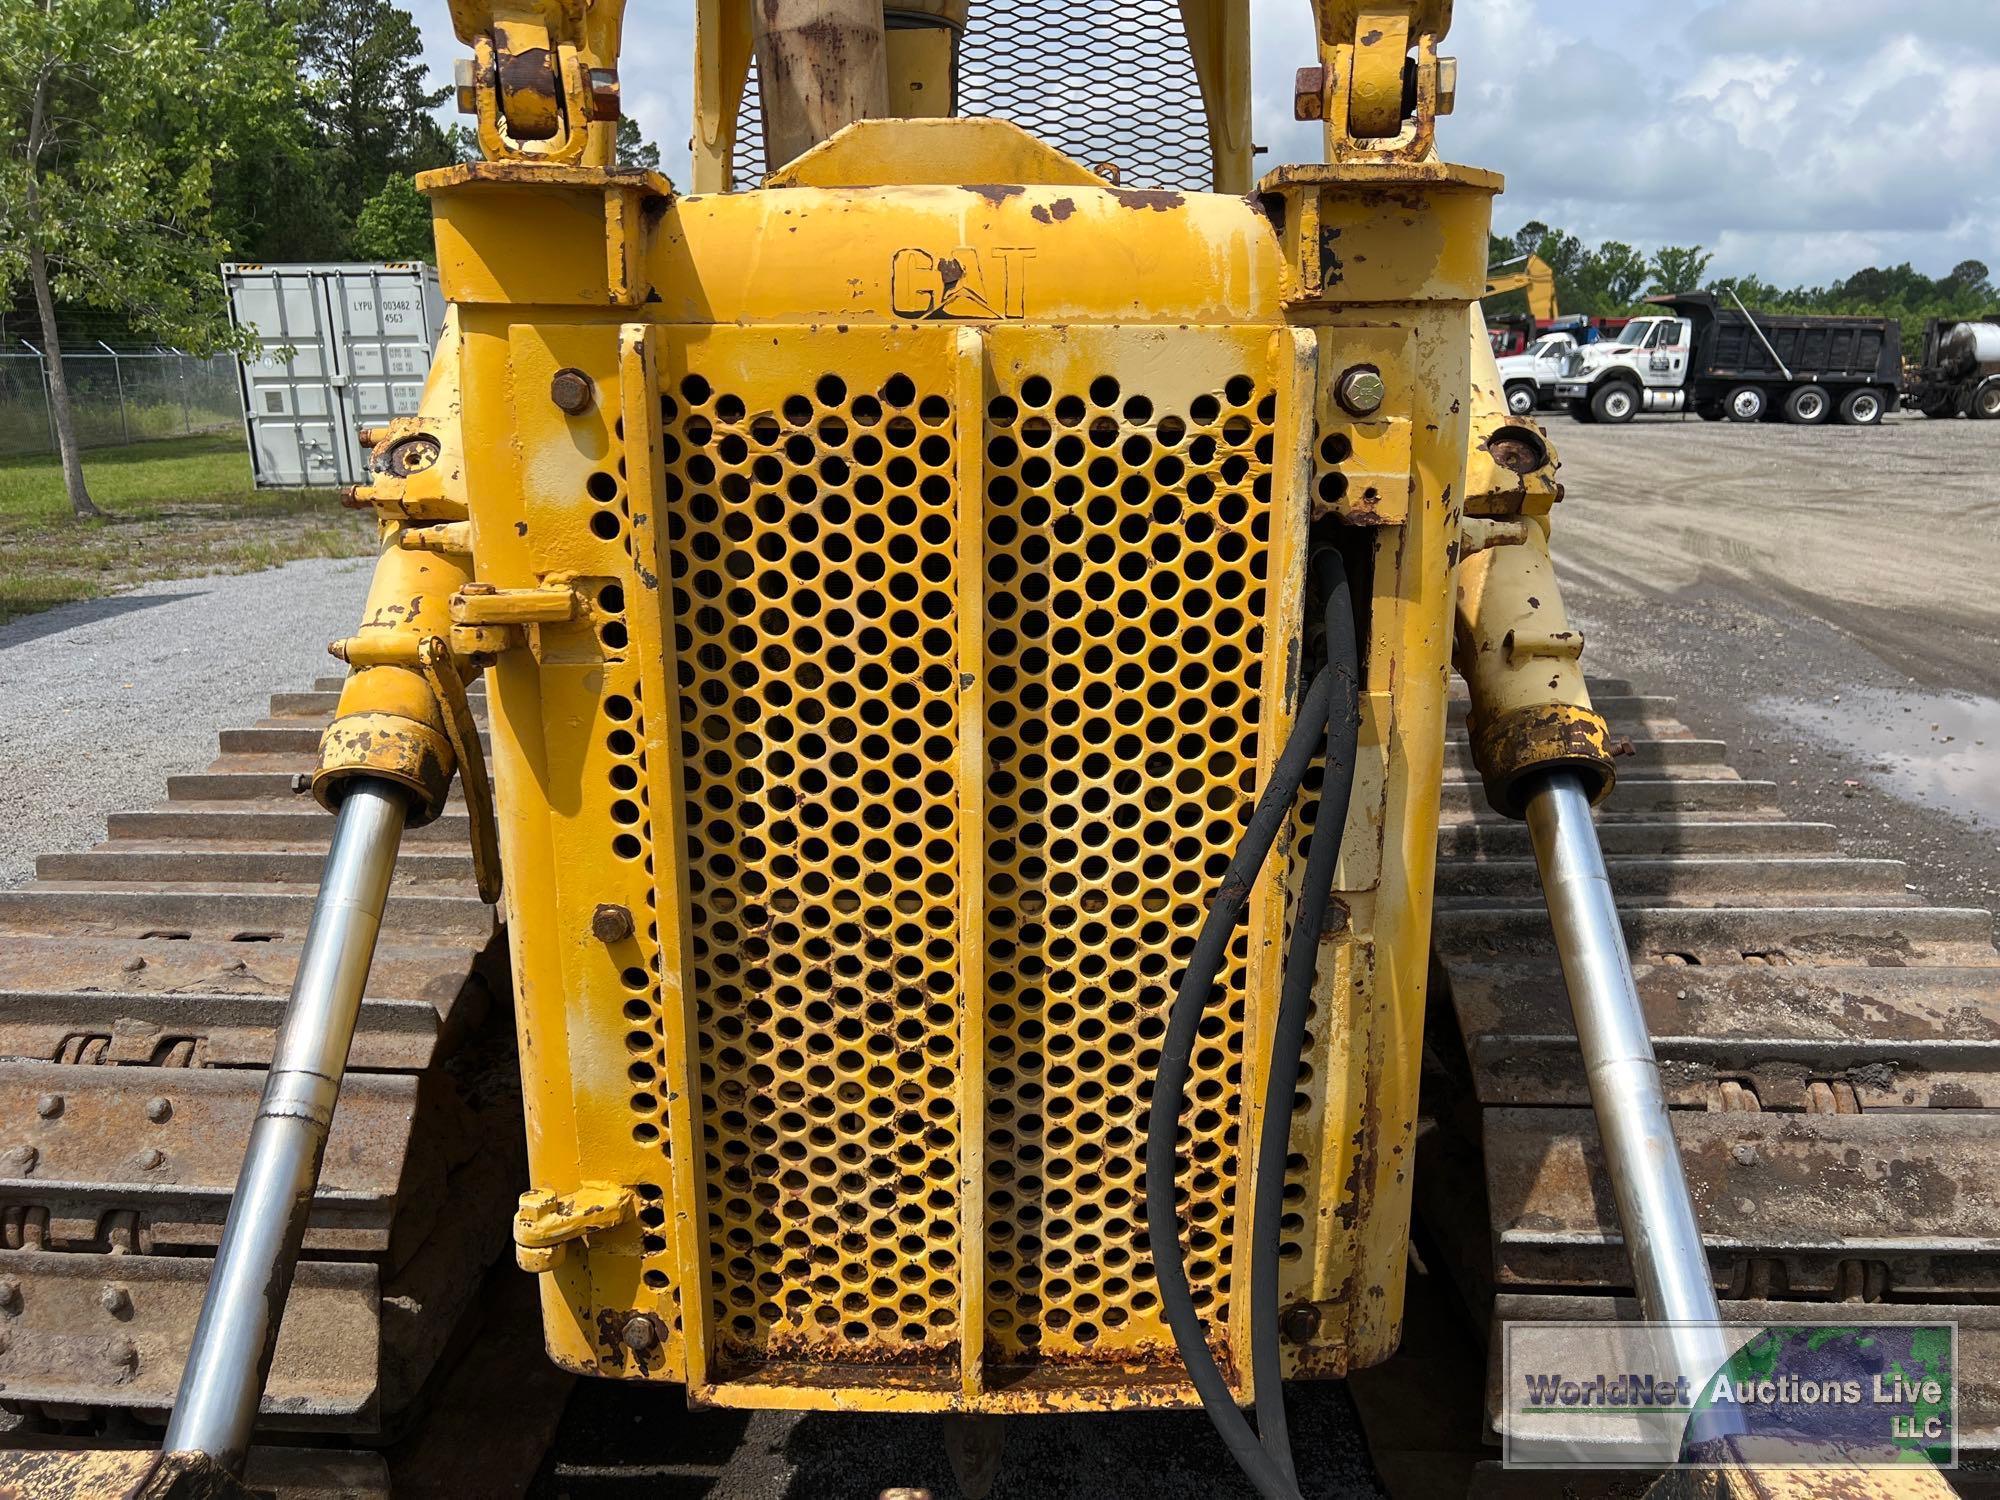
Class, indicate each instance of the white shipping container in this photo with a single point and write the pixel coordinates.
(344, 346)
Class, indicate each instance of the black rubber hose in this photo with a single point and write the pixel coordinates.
(1170, 1094)
(1343, 735)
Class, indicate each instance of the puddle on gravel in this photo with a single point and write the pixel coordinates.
(1941, 750)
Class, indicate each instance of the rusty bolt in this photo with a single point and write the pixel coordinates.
(604, 105)
(1309, 94)
(1300, 1323)
(1361, 391)
(159, 1109)
(572, 391)
(22, 1159)
(115, 1300)
(1447, 85)
(10, 1293)
(133, 965)
(370, 436)
(639, 1334)
(151, 1157)
(301, 782)
(123, 1352)
(610, 924)
(353, 497)
(1745, 1155)
(481, 589)
(49, 1106)
(465, 84)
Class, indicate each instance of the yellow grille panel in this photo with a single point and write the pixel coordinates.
(1127, 540)
(969, 728)
(812, 540)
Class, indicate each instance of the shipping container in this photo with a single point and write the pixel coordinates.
(342, 347)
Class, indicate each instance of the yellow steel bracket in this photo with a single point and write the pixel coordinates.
(1362, 86)
(440, 669)
(543, 79)
(546, 1222)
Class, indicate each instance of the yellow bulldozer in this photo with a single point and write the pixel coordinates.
(923, 667)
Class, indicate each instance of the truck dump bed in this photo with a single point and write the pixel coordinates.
(1728, 347)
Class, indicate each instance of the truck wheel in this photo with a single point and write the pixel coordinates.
(1521, 397)
(1808, 406)
(1747, 403)
(1614, 402)
(1862, 407)
(1985, 403)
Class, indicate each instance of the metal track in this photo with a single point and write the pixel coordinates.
(1830, 1044)
(141, 983)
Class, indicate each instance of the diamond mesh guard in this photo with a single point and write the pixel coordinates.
(1103, 81)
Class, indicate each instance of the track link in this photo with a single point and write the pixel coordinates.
(141, 983)
(1830, 1044)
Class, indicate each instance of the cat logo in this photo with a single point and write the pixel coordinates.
(957, 286)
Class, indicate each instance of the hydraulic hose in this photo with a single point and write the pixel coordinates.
(1170, 1094)
(1343, 732)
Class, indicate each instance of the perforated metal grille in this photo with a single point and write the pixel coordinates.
(1121, 539)
(1126, 555)
(1100, 80)
(812, 544)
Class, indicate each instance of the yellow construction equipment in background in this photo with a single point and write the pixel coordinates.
(1537, 278)
(966, 630)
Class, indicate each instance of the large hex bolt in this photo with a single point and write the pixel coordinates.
(572, 390)
(611, 924)
(1361, 391)
(639, 1334)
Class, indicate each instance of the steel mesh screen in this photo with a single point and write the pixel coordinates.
(1103, 81)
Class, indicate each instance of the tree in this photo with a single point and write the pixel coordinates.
(114, 121)
(1680, 268)
(634, 150)
(395, 224)
(372, 100)
(1622, 272)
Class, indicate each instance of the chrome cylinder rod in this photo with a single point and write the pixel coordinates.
(1662, 1238)
(223, 1381)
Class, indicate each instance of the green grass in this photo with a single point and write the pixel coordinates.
(175, 509)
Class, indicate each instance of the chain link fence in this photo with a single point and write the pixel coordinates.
(116, 396)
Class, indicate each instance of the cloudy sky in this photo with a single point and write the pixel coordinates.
(1799, 139)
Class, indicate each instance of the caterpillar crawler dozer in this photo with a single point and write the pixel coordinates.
(943, 637)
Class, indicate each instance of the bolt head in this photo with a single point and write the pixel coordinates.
(610, 923)
(115, 1300)
(22, 1159)
(1361, 391)
(639, 1334)
(159, 1109)
(49, 1106)
(1309, 94)
(1300, 1323)
(10, 1293)
(572, 391)
(151, 1157)
(133, 965)
(604, 101)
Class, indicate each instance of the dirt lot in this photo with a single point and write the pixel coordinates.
(1826, 599)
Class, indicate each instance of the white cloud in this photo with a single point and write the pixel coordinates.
(1799, 139)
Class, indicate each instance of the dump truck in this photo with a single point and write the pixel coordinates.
(896, 830)
(1959, 372)
(1720, 361)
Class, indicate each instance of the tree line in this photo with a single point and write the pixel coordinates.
(142, 142)
(1613, 279)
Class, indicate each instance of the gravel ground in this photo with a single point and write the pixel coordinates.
(1823, 599)
(107, 698)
